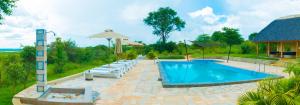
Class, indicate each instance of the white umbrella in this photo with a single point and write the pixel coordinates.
(109, 34)
(131, 43)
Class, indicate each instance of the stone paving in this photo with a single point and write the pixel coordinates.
(140, 86)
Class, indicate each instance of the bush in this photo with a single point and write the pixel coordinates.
(151, 55)
(171, 57)
(247, 47)
(60, 57)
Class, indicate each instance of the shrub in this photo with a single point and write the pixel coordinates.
(171, 57)
(247, 47)
(28, 59)
(131, 56)
(60, 57)
(151, 55)
(15, 71)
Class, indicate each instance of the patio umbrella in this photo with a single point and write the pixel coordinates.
(109, 34)
(130, 43)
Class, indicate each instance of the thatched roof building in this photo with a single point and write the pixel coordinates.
(282, 31)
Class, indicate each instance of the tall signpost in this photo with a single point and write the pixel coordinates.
(41, 60)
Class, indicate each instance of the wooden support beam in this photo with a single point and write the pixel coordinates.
(297, 47)
(281, 49)
(268, 49)
(257, 49)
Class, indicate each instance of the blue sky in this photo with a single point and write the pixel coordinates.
(78, 19)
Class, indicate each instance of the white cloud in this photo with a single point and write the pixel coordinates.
(207, 11)
(248, 16)
(207, 15)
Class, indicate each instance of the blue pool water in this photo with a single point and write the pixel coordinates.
(206, 72)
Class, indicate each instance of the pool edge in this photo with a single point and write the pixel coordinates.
(167, 85)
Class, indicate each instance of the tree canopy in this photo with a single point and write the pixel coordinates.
(232, 36)
(6, 7)
(252, 36)
(203, 38)
(218, 36)
(164, 21)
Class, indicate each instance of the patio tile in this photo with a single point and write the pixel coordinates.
(140, 87)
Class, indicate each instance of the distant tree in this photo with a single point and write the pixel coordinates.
(70, 47)
(204, 38)
(180, 48)
(169, 47)
(60, 57)
(247, 47)
(164, 21)
(252, 36)
(231, 37)
(28, 54)
(6, 7)
(218, 36)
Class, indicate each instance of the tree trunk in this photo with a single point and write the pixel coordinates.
(228, 53)
(203, 53)
(164, 39)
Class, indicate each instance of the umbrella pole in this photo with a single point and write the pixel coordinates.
(108, 39)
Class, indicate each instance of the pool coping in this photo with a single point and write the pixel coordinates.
(184, 85)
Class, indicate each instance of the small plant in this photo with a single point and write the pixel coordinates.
(276, 91)
(151, 55)
(131, 56)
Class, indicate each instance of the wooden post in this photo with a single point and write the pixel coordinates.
(257, 49)
(268, 49)
(281, 49)
(297, 46)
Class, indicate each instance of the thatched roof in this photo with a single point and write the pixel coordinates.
(282, 29)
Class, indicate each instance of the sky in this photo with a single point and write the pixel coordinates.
(78, 19)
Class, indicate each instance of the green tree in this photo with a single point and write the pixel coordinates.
(70, 47)
(247, 47)
(204, 38)
(28, 59)
(231, 37)
(218, 36)
(164, 21)
(60, 57)
(252, 36)
(6, 7)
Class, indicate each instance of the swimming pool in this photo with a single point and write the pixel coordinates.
(205, 73)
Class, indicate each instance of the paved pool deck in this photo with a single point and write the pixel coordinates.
(140, 86)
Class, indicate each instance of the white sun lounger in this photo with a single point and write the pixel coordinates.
(121, 66)
(127, 64)
(107, 72)
(133, 62)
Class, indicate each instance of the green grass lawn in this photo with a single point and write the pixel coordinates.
(6, 93)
